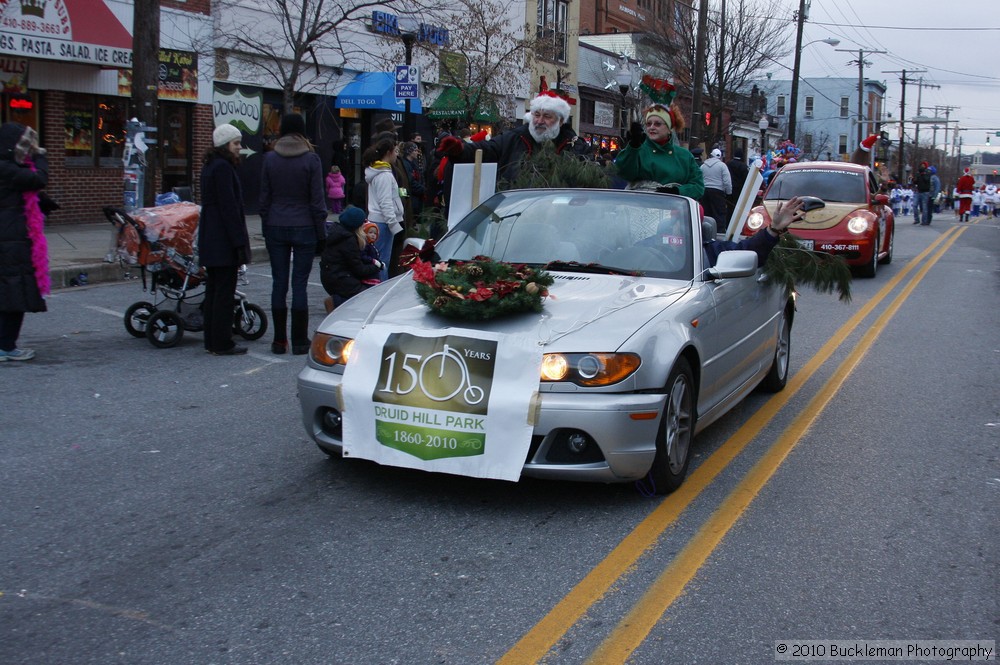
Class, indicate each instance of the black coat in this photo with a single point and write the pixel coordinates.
(509, 148)
(223, 239)
(19, 290)
(340, 267)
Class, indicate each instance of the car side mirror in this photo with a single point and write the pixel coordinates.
(882, 199)
(734, 263)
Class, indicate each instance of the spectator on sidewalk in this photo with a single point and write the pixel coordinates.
(293, 218)
(223, 241)
(24, 268)
(718, 185)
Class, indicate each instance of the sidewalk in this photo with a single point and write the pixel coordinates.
(81, 248)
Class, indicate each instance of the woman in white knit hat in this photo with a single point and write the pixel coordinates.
(223, 241)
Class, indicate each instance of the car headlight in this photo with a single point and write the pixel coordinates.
(755, 221)
(330, 350)
(857, 224)
(589, 369)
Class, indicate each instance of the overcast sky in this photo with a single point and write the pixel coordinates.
(954, 42)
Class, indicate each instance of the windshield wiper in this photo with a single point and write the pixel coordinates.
(595, 268)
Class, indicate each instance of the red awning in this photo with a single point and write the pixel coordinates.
(92, 22)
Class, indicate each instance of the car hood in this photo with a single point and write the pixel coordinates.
(822, 218)
(583, 312)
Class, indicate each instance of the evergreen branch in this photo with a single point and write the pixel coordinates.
(791, 264)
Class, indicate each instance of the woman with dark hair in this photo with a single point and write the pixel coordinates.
(223, 241)
(385, 207)
(24, 268)
(293, 217)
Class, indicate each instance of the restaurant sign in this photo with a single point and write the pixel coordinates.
(85, 31)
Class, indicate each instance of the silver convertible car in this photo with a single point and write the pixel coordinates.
(640, 344)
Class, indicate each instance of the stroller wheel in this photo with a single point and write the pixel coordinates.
(137, 316)
(164, 328)
(249, 325)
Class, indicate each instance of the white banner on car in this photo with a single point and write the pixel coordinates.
(455, 401)
(744, 203)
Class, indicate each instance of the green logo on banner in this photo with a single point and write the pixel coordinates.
(429, 444)
(432, 395)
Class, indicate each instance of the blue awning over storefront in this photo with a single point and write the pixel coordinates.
(376, 91)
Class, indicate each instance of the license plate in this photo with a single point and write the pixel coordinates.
(806, 244)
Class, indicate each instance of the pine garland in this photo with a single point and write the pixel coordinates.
(791, 264)
(545, 169)
(480, 289)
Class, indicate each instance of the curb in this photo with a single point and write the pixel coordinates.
(101, 273)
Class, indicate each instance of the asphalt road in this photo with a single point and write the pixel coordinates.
(165, 506)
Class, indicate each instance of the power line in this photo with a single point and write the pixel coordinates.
(903, 27)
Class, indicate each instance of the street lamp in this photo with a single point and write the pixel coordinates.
(408, 31)
(623, 77)
(763, 124)
(793, 107)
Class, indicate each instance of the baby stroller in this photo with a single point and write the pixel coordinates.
(162, 241)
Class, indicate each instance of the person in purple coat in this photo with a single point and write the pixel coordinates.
(293, 218)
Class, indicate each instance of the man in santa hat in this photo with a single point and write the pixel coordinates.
(964, 188)
(545, 122)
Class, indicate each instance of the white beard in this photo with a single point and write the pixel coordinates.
(547, 134)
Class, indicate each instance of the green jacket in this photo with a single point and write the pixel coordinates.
(665, 164)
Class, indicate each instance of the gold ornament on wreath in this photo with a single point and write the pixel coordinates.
(480, 289)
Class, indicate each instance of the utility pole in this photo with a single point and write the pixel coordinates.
(920, 93)
(699, 75)
(145, 67)
(948, 152)
(861, 86)
(793, 107)
(902, 115)
(720, 78)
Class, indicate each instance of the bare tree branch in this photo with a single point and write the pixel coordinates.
(754, 41)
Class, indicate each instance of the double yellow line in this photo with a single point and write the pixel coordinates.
(635, 626)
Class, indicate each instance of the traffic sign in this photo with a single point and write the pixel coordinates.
(407, 84)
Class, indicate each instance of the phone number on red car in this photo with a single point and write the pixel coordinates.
(839, 248)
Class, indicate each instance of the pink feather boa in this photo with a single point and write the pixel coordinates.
(35, 222)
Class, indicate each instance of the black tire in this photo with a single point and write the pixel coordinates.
(253, 325)
(137, 316)
(673, 440)
(870, 268)
(777, 376)
(165, 329)
(888, 255)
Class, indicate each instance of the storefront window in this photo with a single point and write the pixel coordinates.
(79, 123)
(111, 113)
(95, 130)
(175, 124)
(22, 107)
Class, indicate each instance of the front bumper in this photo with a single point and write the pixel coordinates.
(616, 447)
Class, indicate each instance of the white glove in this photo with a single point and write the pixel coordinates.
(378, 264)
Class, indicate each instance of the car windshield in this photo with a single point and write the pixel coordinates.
(830, 185)
(585, 230)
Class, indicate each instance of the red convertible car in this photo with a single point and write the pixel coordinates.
(857, 222)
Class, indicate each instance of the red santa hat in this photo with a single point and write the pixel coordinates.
(551, 100)
(966, 169)
(867, 144)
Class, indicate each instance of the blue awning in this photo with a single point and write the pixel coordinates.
(374, 90)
